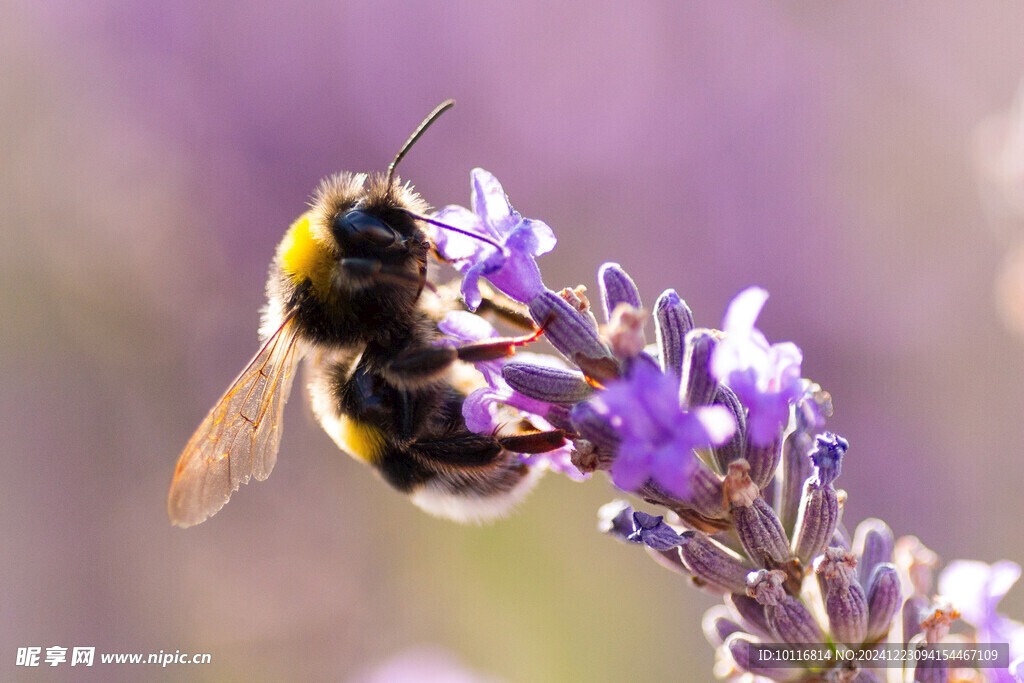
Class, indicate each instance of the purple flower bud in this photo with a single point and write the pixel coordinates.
(567, 329)
(756, 523)
(546, 383)
(761, 533)
(788, 618)
(872, 544)
(673, 319)
(687, 509)
(706, 494)
(796, 467)
(699, 387)
(841, 538)
(736, 447)
(616, 519)
(669, 559)
(594, 425)
(653, 532)
(714, 566)
(884, 600)
(818, 516)
(739, 646)
(827, 456)
(750, 614)
(845, 602)
(616, 288)
(931, 669)
(764, 461)
(718, 625)
(558, 416)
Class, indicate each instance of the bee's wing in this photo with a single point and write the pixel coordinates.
(240, 436)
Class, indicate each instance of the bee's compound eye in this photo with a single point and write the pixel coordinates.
(353, 227)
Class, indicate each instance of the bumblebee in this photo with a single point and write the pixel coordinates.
(348, 291)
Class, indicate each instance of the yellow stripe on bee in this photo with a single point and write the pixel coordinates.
(304, 257)
(359, 439)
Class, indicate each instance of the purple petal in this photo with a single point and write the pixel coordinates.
(654, 533)
(476, 410)
(630, 469)
(975, 588)
(517, 276)
(768, 415)
(471, 288)
(672, 468)
(558, 460)
(1017, 669)
(463, 326)
(718, 423)
(452, 245)
(744, 310)
(616, 519)
(532, 237)
(489, 201)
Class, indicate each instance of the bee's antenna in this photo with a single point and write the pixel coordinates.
(468, 233)
(420, 130)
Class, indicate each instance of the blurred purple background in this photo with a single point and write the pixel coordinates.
(152, 157)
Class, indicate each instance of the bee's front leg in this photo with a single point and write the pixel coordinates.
(413, 367)
(419, 365)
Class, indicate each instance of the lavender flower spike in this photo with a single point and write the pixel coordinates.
(511, 269)
(765, 376)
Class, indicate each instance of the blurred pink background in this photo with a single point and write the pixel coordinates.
(153, 156)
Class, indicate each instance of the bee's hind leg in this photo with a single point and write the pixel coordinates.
(532, 443)
(459, 449)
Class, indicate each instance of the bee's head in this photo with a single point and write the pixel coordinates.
(363, 233)
(358, 237)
